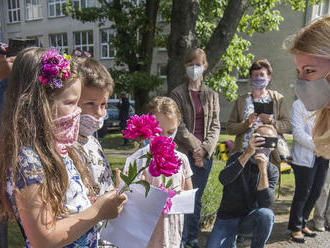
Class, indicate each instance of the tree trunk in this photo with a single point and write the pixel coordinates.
(224, 32)
(148, 34)
(141, 98)
(182, 37)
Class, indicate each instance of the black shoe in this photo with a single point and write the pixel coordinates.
(193, 243)
(298, 240)
(309, 234)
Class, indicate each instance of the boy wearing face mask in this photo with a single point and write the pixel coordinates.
(97, 86)
(243, 119)
(168, 232)
(249, 181)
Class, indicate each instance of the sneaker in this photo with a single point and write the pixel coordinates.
(193, 243)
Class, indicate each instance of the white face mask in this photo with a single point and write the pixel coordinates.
(89, 124)
(314, 94)
(194, 72)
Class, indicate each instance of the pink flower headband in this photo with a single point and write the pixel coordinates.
(55, 68)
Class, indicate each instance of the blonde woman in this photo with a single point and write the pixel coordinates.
(311, 51)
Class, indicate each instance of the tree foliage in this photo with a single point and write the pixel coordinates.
(137, 33)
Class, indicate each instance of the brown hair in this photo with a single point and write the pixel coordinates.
(314, 40)
(27, 122)
(196, 53)
(164, 105)
(94, 74)
(259, 64)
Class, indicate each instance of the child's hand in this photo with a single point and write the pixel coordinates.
(110, 205)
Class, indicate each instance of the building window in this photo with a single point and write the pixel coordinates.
(83, 41)
(37, 40)
(14, 12)
(107, 49)
(162, 70)
(55, 8)
(59, 42)
(33, 9)
(83, 3)
(320, 10)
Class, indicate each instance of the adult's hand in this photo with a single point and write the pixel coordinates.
(255, 143)
(198, 156)
(5, 65)
(252, 119)
(265, 118)
(262, 161)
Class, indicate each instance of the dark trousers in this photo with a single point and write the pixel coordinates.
(309, 183)
(199, 180)
(3, 235)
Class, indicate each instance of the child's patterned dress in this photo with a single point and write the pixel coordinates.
(31, 172)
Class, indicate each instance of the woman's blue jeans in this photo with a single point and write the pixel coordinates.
(258, 222)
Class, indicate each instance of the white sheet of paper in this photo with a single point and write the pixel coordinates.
(184, 203)
(136, 223)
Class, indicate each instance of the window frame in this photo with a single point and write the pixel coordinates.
(12, 11)
(108, 31)
(88, 3)
(62, 47)
(320, 10)
(159, 66)
(81, 45)
(27, 8)
(54, 3)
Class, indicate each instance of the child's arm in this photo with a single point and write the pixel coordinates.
(188, 184)
(36, 218)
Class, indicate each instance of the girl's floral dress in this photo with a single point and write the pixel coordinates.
(31, 172)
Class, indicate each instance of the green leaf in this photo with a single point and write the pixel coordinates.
(169, 183)
(132, 172)
(147, 155)
(146, 185)
(163, 179)
(125, 178)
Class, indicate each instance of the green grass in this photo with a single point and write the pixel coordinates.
(115, 141)
(212, 194)
(116, 162)
(15, 238)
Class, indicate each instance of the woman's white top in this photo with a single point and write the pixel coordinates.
(302, 125)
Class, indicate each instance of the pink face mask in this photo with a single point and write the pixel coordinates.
(66, 131)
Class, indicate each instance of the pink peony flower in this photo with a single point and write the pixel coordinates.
(164, 160)
(168, 203)
(54, 68)
(144, 126)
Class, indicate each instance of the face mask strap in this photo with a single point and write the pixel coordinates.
(326, 75)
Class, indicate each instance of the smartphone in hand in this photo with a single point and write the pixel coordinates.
(270, 142)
